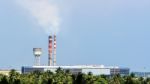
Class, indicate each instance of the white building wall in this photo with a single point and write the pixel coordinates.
(52, 70)
(97, 71)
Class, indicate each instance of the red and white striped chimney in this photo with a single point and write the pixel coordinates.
(50, 45)
(54, 50)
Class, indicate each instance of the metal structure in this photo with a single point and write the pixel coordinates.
(54, 59)
(37, 53)
(50, 45)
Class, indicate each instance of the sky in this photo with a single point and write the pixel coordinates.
(91, 32)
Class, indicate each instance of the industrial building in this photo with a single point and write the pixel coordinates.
(7, 71)
(95, 69)
(141, 74)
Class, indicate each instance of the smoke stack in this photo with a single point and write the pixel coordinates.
(37, 53)
(54, 50)
(50, 51)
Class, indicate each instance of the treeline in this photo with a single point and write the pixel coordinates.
(65, 77)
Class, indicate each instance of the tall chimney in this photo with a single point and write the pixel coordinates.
(54, 61)
(50, 51)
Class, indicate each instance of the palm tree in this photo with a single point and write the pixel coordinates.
(65, 77)
(114, 80)
(68, 77)
(89, 78)
(13, 76)
(100, 80)
(47, 77)
(80, 79)
(3, 79)
(59, 77)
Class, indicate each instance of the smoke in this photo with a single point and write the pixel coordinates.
(45, 12)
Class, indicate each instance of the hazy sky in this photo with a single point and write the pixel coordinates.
(109, 32)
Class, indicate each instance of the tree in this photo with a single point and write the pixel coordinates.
(65, 77)
(68, 77)
(100, 81)
(79, 78)
(47, 77)
(115, 80)
(13, 76)
(4, 80)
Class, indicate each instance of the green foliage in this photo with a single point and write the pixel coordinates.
(4, 80)
(65, 77)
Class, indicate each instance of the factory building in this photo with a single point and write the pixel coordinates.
(7, 71)
(141, 74)
(96, 70)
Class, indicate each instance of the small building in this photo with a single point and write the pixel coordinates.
(141, 74)
(96, 70)
(6, 71)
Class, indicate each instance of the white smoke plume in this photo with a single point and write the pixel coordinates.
(45, 12)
